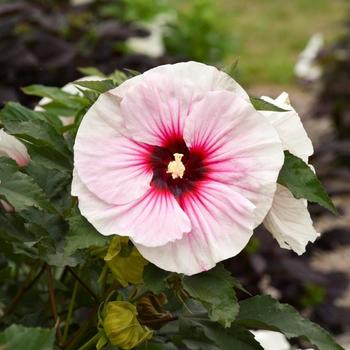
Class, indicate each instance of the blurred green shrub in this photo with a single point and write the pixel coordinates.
(198, 33)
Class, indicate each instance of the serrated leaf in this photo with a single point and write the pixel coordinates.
(82, 234)
(100, 86)
(215, 289)
(19, 189)
(154, 278)
(264, 312)
(297, 176)
(262, 105)
(17, 337)
(235, 337)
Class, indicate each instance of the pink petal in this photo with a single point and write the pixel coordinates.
(241, 147)
(289, 127)
(152, 220)
(289, 221)
(222, 224)
(12, 148)
(113, 167)
(155, 109)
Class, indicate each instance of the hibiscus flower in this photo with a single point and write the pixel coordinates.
(178, 160)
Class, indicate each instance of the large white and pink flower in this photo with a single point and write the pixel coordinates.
(289, 220)
(178, 160)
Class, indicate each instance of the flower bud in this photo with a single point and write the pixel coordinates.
(122, 327)
(125, 262)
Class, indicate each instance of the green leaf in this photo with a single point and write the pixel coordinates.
(154, 278)
(264, 312)
(56, 94)
(33, 127)
(235, 337)
(19, 189)
(100, 86)
(91, 71)
(17, 337)
(297, 176)
(261, 105)
(215, 289)
(82, 234)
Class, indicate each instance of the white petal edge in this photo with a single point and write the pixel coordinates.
(204, 77)
(289, 127)
(289, 221)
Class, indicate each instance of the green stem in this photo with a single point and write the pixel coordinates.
(90, 342)
(70, 310)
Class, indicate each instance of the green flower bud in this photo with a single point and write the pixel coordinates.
(125, 262)
(122, 327)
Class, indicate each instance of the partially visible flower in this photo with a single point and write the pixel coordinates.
(122, 327)
(125, 262)
(289, 220)
(179, 160)
(14, 149)
(271, 340)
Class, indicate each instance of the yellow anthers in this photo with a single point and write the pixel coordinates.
(125, 262)
(122, 327)
(176, 167)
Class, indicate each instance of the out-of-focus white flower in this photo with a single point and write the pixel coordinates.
(306, 67)
(289, 220)
(80, 2)
(151, 45)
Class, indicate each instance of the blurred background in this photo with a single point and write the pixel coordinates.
(299, 46)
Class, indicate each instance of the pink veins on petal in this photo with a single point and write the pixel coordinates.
(180, 161)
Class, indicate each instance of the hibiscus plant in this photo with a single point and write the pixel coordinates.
(122, 195)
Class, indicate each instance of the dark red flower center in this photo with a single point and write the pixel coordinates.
(193, 160)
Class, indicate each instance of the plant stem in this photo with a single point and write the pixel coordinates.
(83, 284)
(90, 342)
(24, 289)
(52, 300)
(70, 310)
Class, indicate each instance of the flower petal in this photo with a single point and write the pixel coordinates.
(152, 220)
(156, 103)
(113, 167)
(289, 127)
(241, 147)
(289, 221)
(222, 224)
(201, 76)
(13, 148)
